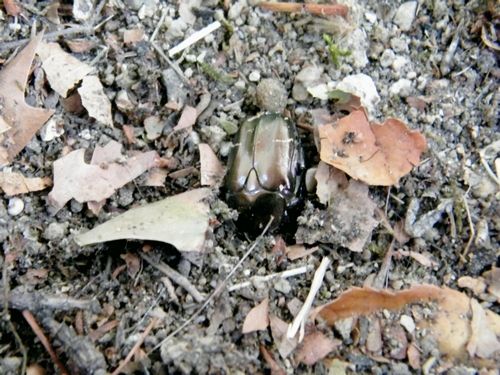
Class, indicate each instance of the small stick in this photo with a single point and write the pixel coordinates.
(282, 275)
(316, 9)
(43, 339)
(136, 346)
(158, 25)
(49, 36)
(193, 38)
(300, 319)
(472, 231)
(217, 290)
(176, 277)
(173, 65)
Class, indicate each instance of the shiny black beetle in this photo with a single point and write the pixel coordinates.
(265, 172)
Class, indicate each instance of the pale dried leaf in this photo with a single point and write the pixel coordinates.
(315, 347)
(187, 119)
(329, 182)
(373, 153)
(133, 263)
(181, 220)
(413, 354)
(298, 251)
(3, 126)
(133, 36)
(374, 337)
(24, 121)
(492, 277)
(257, 318)
(73, 178)
(211, 169)
(15, 183)
(279, 330)
(424, 259)
(63, 71)
(483, 341)
(476, 285)
(156, 177)
(95, 100)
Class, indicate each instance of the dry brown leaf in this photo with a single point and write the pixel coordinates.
(315, 347)
(483, 342)
(12, 8)
(271, 362)
(374, 338)
(181, 220)
(476, 285)
(95, 100)
(156, 177)
(364, 301)
(80, 45)
(73, 178)
(187, 119)
(424, 259)
(211, 169)
(298, 251)
(329, 182)
(24, 120)
(279, 330)
(450, 324)
(373, 153)
(257, 318)
(133, 263)
(492, 277)
(15, 183)
(413, 354)
(62, 69)
(133, 36)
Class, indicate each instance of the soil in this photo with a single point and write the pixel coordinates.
(439, 75)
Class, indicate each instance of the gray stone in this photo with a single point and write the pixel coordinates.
(271, 95)
(55, 231)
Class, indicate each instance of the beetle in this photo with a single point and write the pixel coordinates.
(265, 172)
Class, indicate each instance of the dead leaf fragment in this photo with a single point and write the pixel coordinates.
(298, 251)
(483, 341)
(24, 120)
(279, 330)
(15, 183)
(73, 178)
(95, 100)
(187, 119)
(12, 8)
(211, 169)
(329, 182)
(63, 70)
(257, 318)
(133, 36)
(315, 347)
(373, 153)
(181, 220)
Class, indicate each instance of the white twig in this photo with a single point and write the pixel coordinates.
(472, 230)
(282, 275)
(200, 34)
(300, 319)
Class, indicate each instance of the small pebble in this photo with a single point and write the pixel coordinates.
(401, 88)
(254, 76)
(271, 95)
(283, 286)
(16, 206)
(407, 323)
(405, 15)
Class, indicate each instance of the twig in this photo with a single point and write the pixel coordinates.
(175, 276)
(49, 36)
(282, 275)
(300, 319)
(173, 65)
(380, 279)
(193, 38)
(6, 315)
(20, 299)
(158, 25)
(472, 230)
(316, 9)
(217, 290)
(43, 339)
(482, 155)
(136, 346)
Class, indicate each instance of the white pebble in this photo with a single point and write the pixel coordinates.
(407, 323)
(16, 206)
(371, 17)
(254, 76)
(402, 88)
(405, 15)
